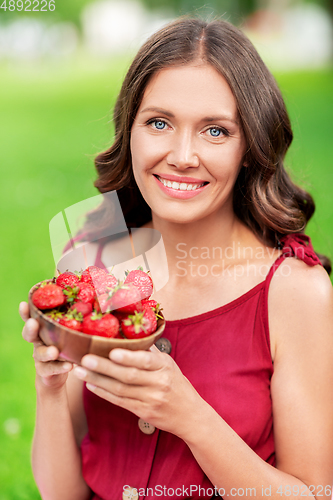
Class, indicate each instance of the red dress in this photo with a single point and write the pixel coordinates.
(225, 354)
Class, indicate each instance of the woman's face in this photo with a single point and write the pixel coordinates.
(187, 144)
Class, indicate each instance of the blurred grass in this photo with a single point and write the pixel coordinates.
(53, 121)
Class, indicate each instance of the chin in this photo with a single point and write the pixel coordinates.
(178, 217)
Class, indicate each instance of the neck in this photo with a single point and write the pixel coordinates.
(202, 242)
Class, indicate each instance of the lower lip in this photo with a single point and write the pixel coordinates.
(178, 193)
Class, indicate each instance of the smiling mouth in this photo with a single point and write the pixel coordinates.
(180, 186)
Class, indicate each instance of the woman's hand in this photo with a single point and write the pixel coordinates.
(147, 383)
(51, 372)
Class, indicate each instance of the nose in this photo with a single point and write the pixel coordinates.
(182, 152)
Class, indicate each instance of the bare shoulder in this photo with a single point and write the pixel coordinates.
(300, 299)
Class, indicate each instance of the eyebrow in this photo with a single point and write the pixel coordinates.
(205, 119)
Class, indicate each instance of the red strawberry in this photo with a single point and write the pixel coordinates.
(142, 281)
(86, 293)
(80, 293)
(152, 304)
(92, 273)
(96, 307)
(48, 296)
(104, 325)
(149, 303)
(126, 298)
(119, 336)
(102, 303)
(67, 279)
(72, 320)
(82, 307)
(140, 324)
(120, 315)
(55, 314)
(71, 293)
(105, 283)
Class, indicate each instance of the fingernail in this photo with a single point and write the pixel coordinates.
(89, 362)
(80, 372)
(66, 366)
(91, 387)
(29, 324)
(50, 352)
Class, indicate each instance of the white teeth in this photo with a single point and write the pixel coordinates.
(180, 186)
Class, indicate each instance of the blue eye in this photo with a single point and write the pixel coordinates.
(159, 124)
(215, 132)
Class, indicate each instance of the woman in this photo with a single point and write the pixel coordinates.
(201, 135)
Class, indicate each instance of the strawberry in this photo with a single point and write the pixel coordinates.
(96, 306)
(83, 292)
(105, 283)
(152, 304)
(67, 279)
(119, 335)
(126, 298)
(105, 325)
(102, 303)
(120, 315)
(86, 293)
(82, 307)
(140, 324)
(149, 303)
(92, 273)
(55, 314)
(141, 280)
(71, 293)
(72, 320)
(48, 296)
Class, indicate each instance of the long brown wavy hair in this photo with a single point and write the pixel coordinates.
(265, 198)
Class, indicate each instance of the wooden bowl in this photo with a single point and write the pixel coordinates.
(74, 345)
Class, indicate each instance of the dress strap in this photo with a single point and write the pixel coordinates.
(98, 259)
(300, 246)
(294, 245)
(70, 243)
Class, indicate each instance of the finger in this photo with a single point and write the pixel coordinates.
(30, 330)
(115, 387)
(153, 348)
(24, 310)
(51, 368)
(145, 360)
(129, 404)
(45, 353)
(127, 374)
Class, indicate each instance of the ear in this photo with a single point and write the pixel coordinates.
(245, 164)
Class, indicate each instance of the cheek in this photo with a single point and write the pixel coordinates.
(224, 165)
(145, 153)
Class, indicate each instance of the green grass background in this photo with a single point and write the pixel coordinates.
(54, 119)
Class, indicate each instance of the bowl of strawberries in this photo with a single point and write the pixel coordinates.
(93, 312)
